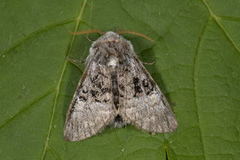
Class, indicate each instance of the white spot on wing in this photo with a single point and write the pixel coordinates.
(112, 62)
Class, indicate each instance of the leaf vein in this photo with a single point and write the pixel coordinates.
(78, 20)
(26, 108)
(216, 19)
(227, 18)
(35, 33)
(195, 59)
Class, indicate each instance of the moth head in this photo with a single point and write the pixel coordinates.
(110, 49)
(111, 43)
(111, 38)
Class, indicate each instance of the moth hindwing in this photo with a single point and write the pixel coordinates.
(116, 89)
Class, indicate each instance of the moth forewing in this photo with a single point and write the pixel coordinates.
(91, 108)
(116, 89)
(145, 106)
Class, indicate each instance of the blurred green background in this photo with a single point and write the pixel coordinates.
(196, 57)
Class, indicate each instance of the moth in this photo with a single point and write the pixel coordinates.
(116, 89)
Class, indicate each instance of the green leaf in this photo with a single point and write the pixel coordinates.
(197, 64)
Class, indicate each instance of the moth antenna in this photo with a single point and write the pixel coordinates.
(87, 32)
(136, 33)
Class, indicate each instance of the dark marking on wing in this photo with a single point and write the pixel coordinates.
(137, 86)
(94, 93)
(121, 87)
(82, 98)
(118, 118)
(84, 91)
(105, 90)
(94, 79)
(115, 91)
(164, 100)
(148, 86)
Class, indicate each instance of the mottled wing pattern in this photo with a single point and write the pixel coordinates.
(143, 104)
(92, 107)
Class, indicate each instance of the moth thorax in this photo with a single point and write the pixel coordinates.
(113, 62)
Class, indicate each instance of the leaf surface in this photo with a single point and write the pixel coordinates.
(196, 57)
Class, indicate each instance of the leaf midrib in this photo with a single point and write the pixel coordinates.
(78, 20)
(216, 19)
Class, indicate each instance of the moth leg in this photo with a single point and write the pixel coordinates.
(149, 63)
(76, 63)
